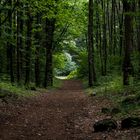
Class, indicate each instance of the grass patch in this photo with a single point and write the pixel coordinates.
(21, 91)
(73, 74)
(126, 98)
(107, 85)
(57, 83)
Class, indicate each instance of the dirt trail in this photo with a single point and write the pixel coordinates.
(62, 114)
(50, 116)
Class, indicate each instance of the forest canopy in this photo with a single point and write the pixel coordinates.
(83, 39)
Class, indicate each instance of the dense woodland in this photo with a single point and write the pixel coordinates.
(97, 41)
(94, 45)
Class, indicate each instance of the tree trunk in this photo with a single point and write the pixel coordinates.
(138, 40)
(50, 26)
(127, 43)
(28, 46)
(111, 28)
(37, 52)
(9, 45)
(114, 28)
(121, 31)
(19, 41)
(92, 76)
(104, 45)
(1, 64)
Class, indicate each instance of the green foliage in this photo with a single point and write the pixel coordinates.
(59, 60)
(82, 70)
(63, 64)
(21, 91)
(112, 84)
(73, 74)
(135, 63)
(115, 63)
(70, 37)
(125, 98)
(107, 85)
(57, 83)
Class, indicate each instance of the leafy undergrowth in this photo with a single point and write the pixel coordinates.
(126, 99)
(13, 91)
(57, 82)
(73, 74)
(18, 90)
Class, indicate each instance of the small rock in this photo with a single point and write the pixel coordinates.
(38, 134)
(105, 110)
(115, 111)
(130, 122)
(93, 94)
(105, 125)
(33, 88)
(129, 101)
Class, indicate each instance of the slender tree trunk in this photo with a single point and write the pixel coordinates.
(101, 51)
(1, 64)
(114, 28)
(50, 27)
(111, 28)
(21, 41)
(28, 47)
(19, 16)
(104, 45)
(10, 49)
(37, 52)
(97, 25)
(92, 76)
(138, 40)
(0, 20)
(108, 23)
(121, 30)
(127, 43)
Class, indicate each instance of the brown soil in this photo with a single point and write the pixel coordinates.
(62, 114)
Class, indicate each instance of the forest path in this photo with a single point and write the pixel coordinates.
(62, 114)
(51, 116)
